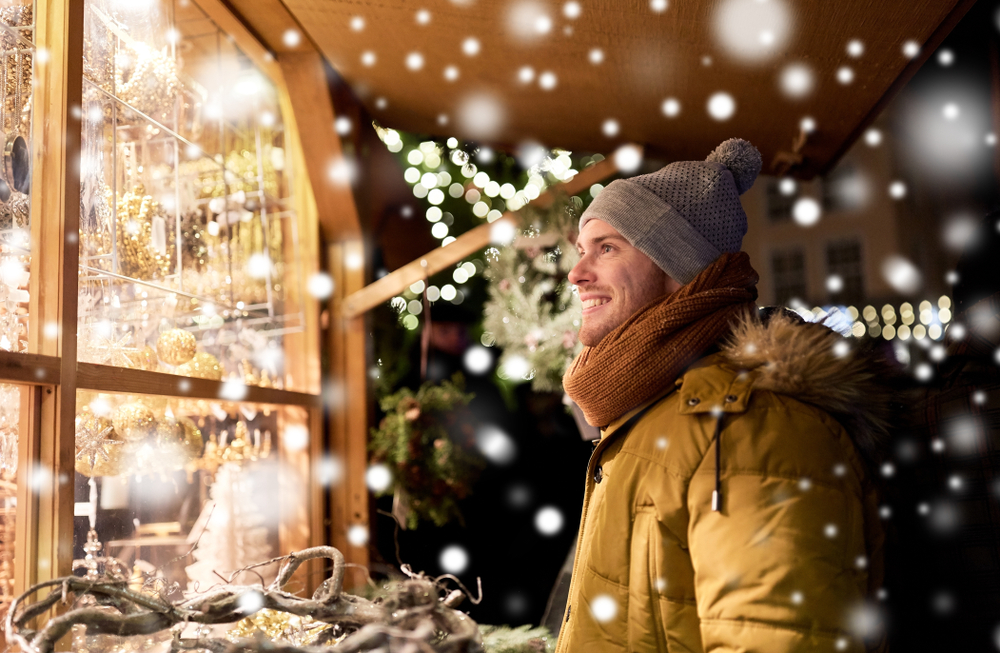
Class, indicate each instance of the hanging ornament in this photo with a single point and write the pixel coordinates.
(193, 442)
(202, 366)
(114, 350)
(176, 346)
(98, 451)
(134, 421)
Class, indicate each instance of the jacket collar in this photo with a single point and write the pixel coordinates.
(850, 379)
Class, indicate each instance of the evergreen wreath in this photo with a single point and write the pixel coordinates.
(532, 312)
(428, 454)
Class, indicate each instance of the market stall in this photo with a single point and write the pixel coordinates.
(161, 337)
(188, 210)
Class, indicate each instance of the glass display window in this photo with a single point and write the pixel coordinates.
(17, 51)
(150, 426)
(179, 492)
(186, 206)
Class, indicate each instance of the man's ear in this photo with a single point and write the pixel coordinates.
(671, 285)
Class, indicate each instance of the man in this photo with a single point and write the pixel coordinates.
(729, 504)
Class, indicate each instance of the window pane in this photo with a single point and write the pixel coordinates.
(17, 54)
(186, 200)
(159, 478)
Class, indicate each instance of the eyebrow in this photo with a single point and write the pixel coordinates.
(601, 239)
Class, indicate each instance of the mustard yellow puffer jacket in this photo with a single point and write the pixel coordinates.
(792, 561)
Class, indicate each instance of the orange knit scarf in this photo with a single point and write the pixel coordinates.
(641, 357)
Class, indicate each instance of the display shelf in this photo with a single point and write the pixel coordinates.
(107, 378)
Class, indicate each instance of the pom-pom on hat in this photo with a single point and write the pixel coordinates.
(685, 215)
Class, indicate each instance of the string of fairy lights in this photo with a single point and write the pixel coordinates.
(927, 321)
(487, 199)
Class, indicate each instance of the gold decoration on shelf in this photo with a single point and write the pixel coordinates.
(99, 450)
(202, 366)
(150, 84)
(250, 376)
(176, 346)
(146, 359)
(238, 449)
(193, 442)
(134, 421)
(137, 257)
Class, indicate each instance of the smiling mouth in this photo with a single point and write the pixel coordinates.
(594, 303)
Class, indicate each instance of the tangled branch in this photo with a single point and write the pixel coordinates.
(414, 618)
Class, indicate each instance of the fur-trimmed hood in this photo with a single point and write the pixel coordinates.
(850, 379)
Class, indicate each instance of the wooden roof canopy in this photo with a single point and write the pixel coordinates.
(689, 51)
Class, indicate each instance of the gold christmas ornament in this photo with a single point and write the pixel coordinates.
(134, 421)
(156, 403)
(171, 442)
(176, 346)
(202, 366)
(192, 437)
(147, 359)
(168, 433)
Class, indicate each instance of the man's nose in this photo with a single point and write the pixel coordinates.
(581, 272)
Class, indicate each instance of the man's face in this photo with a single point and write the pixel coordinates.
(614, 280)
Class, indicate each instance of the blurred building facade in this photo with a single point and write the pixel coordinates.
(868, 235)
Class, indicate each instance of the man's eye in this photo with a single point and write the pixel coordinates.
(606, 248)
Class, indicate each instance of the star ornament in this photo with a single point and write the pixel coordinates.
(92, 440)
(105, 347)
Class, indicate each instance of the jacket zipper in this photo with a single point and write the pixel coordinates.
(602, 444)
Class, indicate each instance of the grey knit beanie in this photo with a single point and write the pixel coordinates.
(685, 215)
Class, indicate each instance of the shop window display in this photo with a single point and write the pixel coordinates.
(16, 68)
(183, 492)
(185, 231)
(16, 47)
(186, 215)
